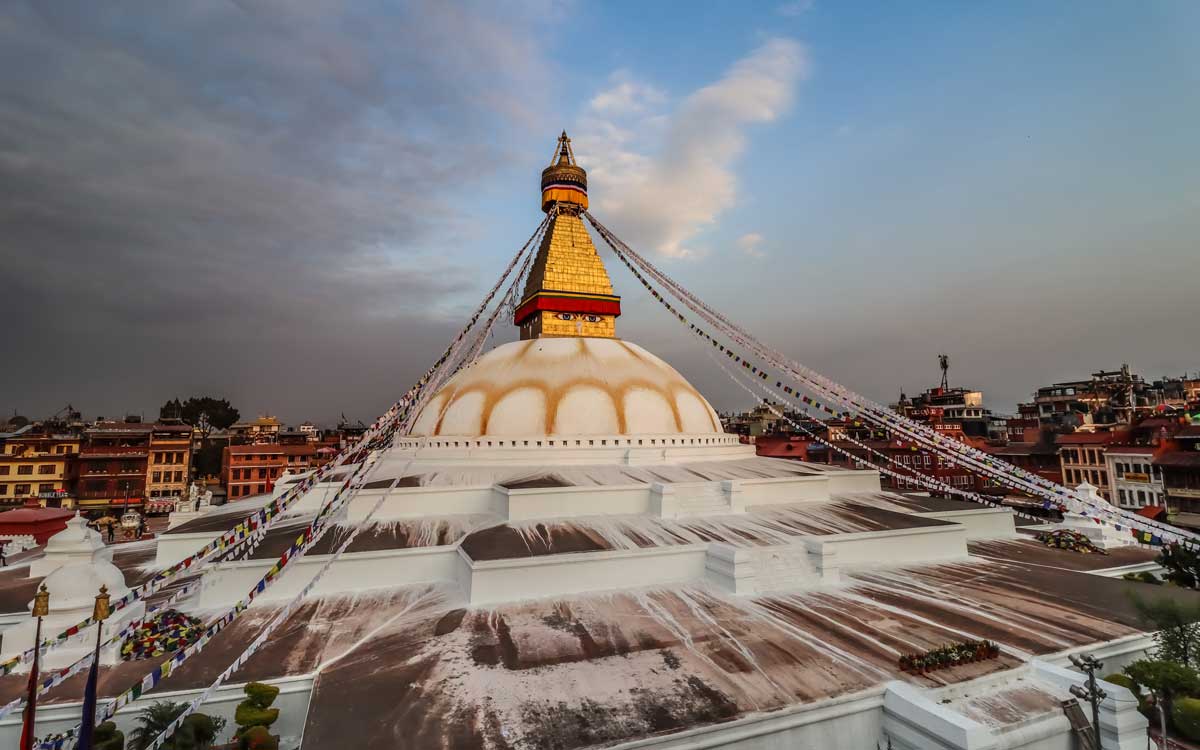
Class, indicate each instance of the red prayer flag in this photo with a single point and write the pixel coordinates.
(28, 718)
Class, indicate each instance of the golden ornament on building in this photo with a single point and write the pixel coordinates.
(102, 609)
(41, 602)
(568, 292)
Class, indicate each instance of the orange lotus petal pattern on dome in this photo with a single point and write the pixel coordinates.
(567, 386)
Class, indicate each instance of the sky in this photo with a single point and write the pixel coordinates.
(295, 205)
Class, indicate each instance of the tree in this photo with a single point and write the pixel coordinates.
(108, 737)
(254, 717)
(205, 413)
(198, 731)
(1167, 679)
(1177, 628)
(1181, 563)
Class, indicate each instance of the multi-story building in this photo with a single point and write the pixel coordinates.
(1135, 482)
(1180, 466)
(263, 429)
(1039, 458)
(1082, 458)
(113, 463)
(253, 469)
(168, 469)
(38, 462)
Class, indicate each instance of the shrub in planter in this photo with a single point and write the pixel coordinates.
(255, 716)
(1185, 715)
(108, 737)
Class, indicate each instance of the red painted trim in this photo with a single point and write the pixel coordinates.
(567, 304)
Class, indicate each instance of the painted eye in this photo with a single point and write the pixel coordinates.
(592, 318)
(566, 316)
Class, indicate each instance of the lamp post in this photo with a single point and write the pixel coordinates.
(41, 608)
(1091, 693)
(87, 724)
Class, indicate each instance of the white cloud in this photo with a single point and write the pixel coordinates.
(795, 8)
(751, 244)
(626, 97)
(660, 175)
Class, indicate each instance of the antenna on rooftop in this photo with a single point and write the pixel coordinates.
(944, 363)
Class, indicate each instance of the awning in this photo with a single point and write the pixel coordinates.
(1190, 520)
(1152, 512)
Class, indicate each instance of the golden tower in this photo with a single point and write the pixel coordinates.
(568, 292)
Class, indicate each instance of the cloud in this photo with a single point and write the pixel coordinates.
(662, 175)
(795, 8)
(751, 245)
(245, 196)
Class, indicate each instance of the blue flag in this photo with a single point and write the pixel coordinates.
(87, 724)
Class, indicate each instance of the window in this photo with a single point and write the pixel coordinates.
(262, 473)
(1121, 495)
(21, 489)
(179, 476)
(46, 469)
(3, 489)
(4, 470)
(157, 477)
(25, 469)
(45, 488)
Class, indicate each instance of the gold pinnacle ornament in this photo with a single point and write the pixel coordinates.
(41, 602)
(568, 292)
(102, 610)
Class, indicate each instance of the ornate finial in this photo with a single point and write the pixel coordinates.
(41, 602)
(568, 292)
(102, 609)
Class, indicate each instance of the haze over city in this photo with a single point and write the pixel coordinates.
(294, 205)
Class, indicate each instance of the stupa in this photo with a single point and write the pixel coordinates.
(568, 551)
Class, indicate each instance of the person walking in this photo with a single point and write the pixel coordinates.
(111, 532)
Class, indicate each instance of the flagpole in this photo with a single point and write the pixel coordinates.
(41, 608)
(87, 725)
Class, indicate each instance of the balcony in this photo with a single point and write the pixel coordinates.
(114, 451)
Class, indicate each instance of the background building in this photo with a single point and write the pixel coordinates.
(168, 469)
(1082, 457)
(1135, 482)
(113, 464)
(38, 462)
(1180, 466)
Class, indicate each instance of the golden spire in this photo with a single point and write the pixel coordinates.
(568, 292)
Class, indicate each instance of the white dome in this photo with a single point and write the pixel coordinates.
(75, 538)
(75, 585)
(567, 386)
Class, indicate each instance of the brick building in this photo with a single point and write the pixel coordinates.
(1082, 459)
(1180, 467)
(113, 462)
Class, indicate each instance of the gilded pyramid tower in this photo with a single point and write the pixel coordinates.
(568, 292)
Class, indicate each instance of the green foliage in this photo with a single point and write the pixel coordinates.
(217, 412)
(259, 738)
(107, 737)
(1185, 715)
(207, 461)
(1177, 627)
(1169, 680)
(1182, 565)
(1124, 681)
(254, 716)
(198, 731)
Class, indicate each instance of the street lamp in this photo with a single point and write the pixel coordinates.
(1091, 693)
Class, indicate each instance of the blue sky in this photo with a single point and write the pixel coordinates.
(865, 185)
